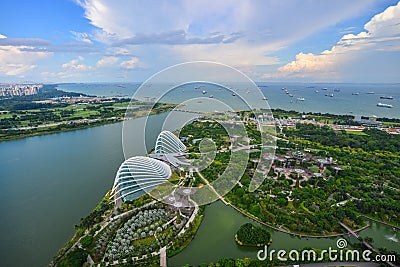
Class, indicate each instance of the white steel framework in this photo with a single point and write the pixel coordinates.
(168, 143)
(138, 175)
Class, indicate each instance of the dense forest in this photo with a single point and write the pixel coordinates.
(251, 235)
(374, 139)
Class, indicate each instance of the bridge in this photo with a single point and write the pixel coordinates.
(349, 230)
(163, 257)
(365, 243)
(190, 111)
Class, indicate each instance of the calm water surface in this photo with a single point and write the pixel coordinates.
(215, 238)
(48, 183)
(343, 102)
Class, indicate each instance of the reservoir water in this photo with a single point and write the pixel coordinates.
(49, 182)
(215, 238)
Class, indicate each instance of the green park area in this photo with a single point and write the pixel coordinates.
(318, 182)
(53, 110)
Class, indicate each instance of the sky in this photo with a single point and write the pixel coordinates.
(268, 40)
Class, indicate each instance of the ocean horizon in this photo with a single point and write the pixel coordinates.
(348, 98)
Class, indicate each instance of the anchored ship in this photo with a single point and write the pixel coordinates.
(383, 105)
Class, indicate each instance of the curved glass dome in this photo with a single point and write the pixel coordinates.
(138, 175)
(168, 143)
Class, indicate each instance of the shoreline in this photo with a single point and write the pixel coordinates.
(78, 127)
(293, 233)
(82, 126)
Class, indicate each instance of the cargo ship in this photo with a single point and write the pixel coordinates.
(386, 97)
(383, 105)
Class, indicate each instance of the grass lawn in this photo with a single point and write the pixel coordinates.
(143, 241)
(314, 169)
(269, 129)
(5, 116)
(355, 132)
(391, 123)
(290, 205)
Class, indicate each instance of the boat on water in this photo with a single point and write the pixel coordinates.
(264, 98)
(324, 88)
(290, 95)
(301, 98)
(370, 93)
(356, 93)
(211, 96)
(330, 95)
(383, 105)
(204, 92)
(233, 94)
(386, 97)
(316, 91)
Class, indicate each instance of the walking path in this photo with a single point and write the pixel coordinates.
(163, 257)
(385, 223)
(211, 187)
(366, 244)
(291, 233)
(349, 230)
(122, 215)
(196, 210)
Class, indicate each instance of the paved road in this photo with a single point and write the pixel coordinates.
(163, 257)
(211, 187)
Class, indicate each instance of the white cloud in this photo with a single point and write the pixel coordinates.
(236, 55)
(229, 31)
(77, 68)
(82, 37)
(382, 33)
(121, 51)
(386, 23)
(75, 65)
(18, 69)
(107, 61)
(130, 64)
(15, 57)
(125, 18)
(309, 64)
(16, 62)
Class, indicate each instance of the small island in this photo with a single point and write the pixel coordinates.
(251, 235)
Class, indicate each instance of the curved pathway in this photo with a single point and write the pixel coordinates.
(382, 222)
(291, 233)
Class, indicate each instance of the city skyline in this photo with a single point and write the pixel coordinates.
(125, 41)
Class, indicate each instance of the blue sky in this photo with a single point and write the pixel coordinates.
(273, 40)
